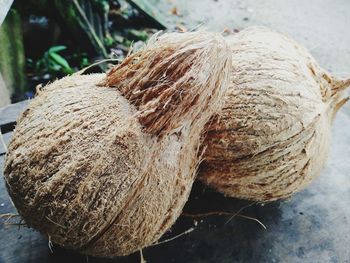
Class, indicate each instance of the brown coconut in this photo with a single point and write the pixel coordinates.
(106, 171)
(272, 136)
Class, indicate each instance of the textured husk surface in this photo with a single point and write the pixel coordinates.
(96, 168)
(273, 134)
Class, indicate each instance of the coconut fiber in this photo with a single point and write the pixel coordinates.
(272, 136)
(103, 164)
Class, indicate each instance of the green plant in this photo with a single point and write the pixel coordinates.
(54, 62)
(57, 65)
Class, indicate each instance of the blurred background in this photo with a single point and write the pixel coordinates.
(44, 40)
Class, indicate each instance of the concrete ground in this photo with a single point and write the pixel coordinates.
(4, 93)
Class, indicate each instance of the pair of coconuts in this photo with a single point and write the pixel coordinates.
(104, 163)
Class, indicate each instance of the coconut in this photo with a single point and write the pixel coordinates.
(272, 137)
(103, 164)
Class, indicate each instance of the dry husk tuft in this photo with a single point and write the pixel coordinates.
(272, 136)
(163, 68)
(106, 171)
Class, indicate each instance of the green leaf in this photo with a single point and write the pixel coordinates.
(59, 60)
(84, 62)
(56, 49)
(118, 38)
(139, 34)
(55, 67)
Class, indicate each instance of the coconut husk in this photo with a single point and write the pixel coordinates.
(272, 137)
(103, 164)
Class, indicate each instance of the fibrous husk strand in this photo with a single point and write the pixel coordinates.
(165, 81)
